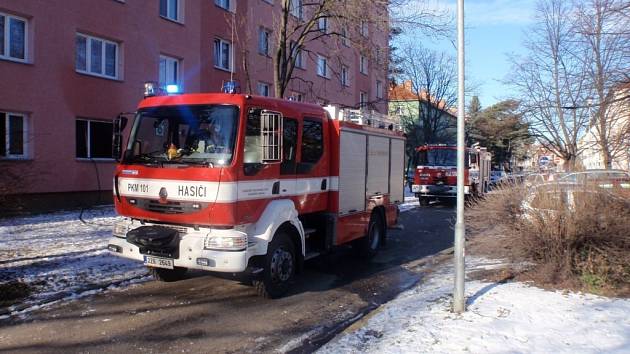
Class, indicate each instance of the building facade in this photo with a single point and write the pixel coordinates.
(68, 68)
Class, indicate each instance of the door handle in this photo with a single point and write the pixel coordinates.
(324, 184)
(276, 188)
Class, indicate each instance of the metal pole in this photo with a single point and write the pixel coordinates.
(459, 303)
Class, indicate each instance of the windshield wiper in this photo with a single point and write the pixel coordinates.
(194, 162)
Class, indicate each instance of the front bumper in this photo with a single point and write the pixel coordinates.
(192, 253)
(431, 190)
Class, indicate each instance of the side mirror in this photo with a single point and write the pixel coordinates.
(271, 137)
(117, 138)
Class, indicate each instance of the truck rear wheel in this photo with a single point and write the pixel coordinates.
(168, 275)
(279, 266)
(368, 246)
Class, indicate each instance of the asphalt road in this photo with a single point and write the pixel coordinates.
(207, 313)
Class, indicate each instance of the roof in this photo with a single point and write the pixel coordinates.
(405, 92)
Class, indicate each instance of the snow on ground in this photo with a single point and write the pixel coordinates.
(410, 201)
(61, 256)
(500, 318)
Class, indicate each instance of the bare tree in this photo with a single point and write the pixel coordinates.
(434, 83)
(552, 80)
(298, 24)
(602, 29)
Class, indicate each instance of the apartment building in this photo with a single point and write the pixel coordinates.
(68, 68)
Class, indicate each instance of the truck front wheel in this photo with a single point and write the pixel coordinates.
(424, 201)
(279, 268)
(168, 275)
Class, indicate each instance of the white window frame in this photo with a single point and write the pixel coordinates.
(228, 5)
(169, 61)
(344, 37)
(379, 89)
(88, 57)
(345, 76)
(221, 53)
(88, 141)
(299, 56)
(363, 99)
(264, 35)
(7, 38)
(296, 9)
(322, 67)
(7, 137)
(364, 29)
(322, 24)
(180, 11)
(263, 89)
(363, 64)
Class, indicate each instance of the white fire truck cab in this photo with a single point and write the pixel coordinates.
(238, 183)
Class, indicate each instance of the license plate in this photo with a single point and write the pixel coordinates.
(158, 262)
(415, 188)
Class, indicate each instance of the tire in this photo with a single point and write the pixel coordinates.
(424, 201)
(279, 266)
(168, 275)
(367, 247)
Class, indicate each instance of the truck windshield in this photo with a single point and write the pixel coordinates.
(199, 134)
(436, 157)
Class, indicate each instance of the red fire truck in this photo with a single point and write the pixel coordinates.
(435, 172)
(238, 183)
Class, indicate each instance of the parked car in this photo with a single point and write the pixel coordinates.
(609, 179)
(496, 176)
(548, 199)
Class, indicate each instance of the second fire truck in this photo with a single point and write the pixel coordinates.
(435, 172)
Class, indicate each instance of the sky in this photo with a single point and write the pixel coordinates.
(494, 30)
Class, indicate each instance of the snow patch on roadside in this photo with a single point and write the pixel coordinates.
(500, 318)
(61, 257)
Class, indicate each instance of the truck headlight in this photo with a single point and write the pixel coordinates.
(234, 242)
(120, 229)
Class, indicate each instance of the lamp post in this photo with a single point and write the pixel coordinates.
(459, 303)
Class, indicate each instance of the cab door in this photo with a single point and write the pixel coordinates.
(289, 157)
(313, 168)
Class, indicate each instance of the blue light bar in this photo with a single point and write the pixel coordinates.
(231, 87)
(172, 89)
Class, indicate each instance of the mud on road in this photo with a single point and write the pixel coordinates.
(214, 313)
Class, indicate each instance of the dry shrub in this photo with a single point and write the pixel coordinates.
(574, 234)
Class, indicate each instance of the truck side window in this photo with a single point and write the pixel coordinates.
(289, 146)
(252, 154)
(312, 145)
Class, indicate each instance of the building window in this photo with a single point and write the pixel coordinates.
(322, 24)
(169, 71)
(263, 89)
(12, 135)
(96, 56)
(364, 29)
(222, 54)
(345, 76)
(93, 139)
(363, 65)
(296, 96)
(170, 9)
(12, 37)
(299, 56)
(224, 4)
(322, 66)
(379, 89)
(363, 99)
(296, 8)
(263, 41)
(344, 37)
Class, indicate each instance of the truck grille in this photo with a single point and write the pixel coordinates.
(155, 206)
(166, 208)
